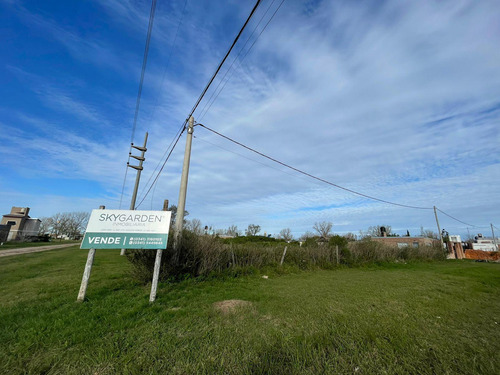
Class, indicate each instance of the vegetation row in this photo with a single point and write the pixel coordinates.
(203, 256)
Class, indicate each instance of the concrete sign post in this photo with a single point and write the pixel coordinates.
(124, 229)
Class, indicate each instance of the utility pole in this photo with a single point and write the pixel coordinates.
(179, 220)
(439, 228)
(494, 239)
(139, 168)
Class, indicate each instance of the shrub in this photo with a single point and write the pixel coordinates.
(207, 256)
(339, 241)
(310, 242)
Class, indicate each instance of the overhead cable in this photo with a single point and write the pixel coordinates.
(161, 169)
(312, 176)
(168, 60)
(210, 102)
(460, 221)
(183, 127)
(222, 62)
(143, 70)
(161, 85)
(170, 147)
(245, 157)
(139, 93)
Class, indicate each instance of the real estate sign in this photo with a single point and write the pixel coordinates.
(127, 229)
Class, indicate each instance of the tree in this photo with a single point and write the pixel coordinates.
(428, 233)
(350, 236)
(58, 224)
(306, 236)
(375, 231)
(233, 231)
(252, 230)
(173, 209)
(70, 224)
(76, 223)
(323, 228)
(286, 234)
(44, 226)
(194, 226)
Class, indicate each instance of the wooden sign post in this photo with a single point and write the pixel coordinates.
(86, 272)
(125, 229)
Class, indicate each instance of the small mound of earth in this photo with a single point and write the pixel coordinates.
(230, 306)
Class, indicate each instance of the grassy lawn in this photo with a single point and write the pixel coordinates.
(17, 245)
(420, 318)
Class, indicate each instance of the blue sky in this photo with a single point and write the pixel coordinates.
(398, 100)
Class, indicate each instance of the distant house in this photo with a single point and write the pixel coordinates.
(484, 244)
(20, 225)
(402, 242)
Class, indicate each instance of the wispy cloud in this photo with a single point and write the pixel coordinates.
(64, 154)
(60, 100)
(355, 100)
(87, 49)
(396, 100)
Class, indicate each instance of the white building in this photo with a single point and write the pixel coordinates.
(485, 244)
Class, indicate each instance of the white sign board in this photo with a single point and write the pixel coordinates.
(127, 229)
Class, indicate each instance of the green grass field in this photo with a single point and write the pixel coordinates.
(418, 318)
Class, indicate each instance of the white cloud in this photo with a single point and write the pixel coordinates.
(395, 100)
(359, 114)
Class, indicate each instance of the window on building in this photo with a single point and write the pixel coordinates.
(402, 245)
(11, 223)
(415, 244)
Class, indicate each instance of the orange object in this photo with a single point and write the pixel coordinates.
(482, 255)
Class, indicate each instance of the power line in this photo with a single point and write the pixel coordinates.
(312, 176)
(222, 62)
(317, 178)
(164, 154)
(161, 169)
(183, 127)
(460, 221)
(143, 70)
(139, 92)
(243, 58)
(124, 180)
(203, 111)
(168, 61)
(245, 157)
(161, 85)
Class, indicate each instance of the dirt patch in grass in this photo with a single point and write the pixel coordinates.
(493, 256)
(232, 306)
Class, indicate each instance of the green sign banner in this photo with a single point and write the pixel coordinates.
(124, 241)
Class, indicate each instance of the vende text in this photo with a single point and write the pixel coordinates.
(104, 240)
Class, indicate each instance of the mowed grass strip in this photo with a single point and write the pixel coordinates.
(418, 318)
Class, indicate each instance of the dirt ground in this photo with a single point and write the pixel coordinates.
(482, 255)
(36, 249)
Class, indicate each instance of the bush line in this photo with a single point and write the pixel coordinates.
(212, 257)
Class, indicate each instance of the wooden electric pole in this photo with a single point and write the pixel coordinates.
(139, 169)
(439, 228)
(179, 220)
(494, 239)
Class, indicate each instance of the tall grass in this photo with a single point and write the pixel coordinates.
(208, 256)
